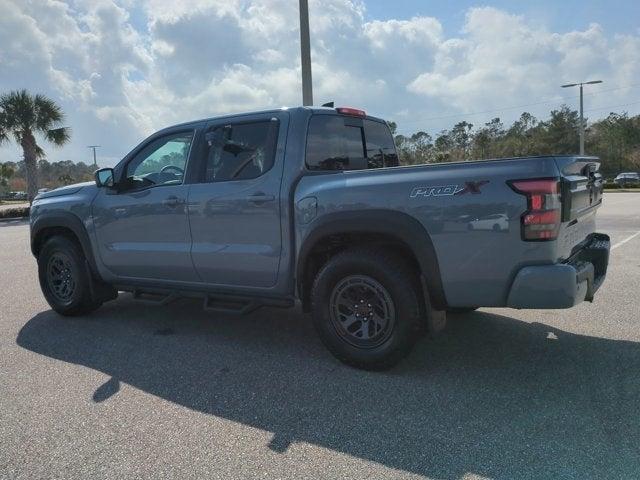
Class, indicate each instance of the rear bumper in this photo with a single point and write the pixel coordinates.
(563, 285)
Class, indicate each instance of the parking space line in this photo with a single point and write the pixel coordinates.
(619, 244)
(618, 202)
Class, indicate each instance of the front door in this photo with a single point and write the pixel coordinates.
(142, 227)
(234, 212)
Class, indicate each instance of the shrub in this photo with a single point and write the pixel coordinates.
(17, 212)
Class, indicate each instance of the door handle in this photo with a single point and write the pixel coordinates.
(260, 198)
(173, 201)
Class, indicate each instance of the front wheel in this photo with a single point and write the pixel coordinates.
(366, 308)
(64, 279)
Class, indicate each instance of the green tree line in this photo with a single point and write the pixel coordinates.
(615, 139)
(50, 174)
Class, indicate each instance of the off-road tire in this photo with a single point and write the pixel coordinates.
(69, 258)
(397, 279)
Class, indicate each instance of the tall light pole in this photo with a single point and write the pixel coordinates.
(581, 109)
(305, 54)
(95, 163)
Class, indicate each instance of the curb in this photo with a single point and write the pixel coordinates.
(13, 219)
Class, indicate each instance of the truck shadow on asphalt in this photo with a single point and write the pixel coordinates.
(493, 396)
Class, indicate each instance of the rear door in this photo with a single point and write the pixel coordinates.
(234, 210)
(582, 188)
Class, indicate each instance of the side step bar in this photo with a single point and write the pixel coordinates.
(152, 298)
(225, 304)
(213, 302)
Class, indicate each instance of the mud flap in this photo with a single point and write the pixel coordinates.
(100, 291)
(436, 320)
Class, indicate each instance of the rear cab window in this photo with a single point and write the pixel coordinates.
(338, 142)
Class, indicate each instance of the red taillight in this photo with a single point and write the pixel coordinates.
(354, 112)
(541, 221)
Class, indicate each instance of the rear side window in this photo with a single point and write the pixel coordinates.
(336, 142)
(381, 151)
(241, 151)
(334, 145)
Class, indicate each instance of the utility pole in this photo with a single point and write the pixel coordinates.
(581, 129)
(95, 163)
(305, 54)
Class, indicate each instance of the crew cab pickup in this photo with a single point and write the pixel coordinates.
(309, 205)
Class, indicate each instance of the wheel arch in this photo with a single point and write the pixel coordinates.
(338, 230)
(62, 223)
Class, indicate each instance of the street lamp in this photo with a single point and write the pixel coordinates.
(95, 164)
(581, 109)
(305, 54)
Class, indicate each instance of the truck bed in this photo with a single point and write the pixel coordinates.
(471, 214)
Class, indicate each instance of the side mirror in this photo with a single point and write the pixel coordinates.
(104, 177)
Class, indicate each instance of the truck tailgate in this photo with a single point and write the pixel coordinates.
(581, 195)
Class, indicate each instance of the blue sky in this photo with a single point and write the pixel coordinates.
(122, 69)
(621, 16)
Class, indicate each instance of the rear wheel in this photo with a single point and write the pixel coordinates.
(366, 308)
(64, 279)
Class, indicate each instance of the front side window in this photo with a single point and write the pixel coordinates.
(334, 145)
(161, 162)
(241, 151)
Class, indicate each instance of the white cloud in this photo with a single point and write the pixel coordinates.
(419, 31)
(501, 60)
(122, 69)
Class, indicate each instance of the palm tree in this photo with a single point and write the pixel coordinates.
(23, 115)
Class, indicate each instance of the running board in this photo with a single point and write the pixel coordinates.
(230, 305)
(213, 302)
(153, 298)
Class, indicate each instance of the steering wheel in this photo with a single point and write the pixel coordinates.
(172, 167)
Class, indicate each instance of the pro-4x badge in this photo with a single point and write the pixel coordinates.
(446, 190)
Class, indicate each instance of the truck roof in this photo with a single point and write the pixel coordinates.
(313, 109)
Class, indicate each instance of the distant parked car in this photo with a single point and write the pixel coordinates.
(496, 222)
(628, 178)
(18, 195)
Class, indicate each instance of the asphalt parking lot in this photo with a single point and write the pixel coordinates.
(174, 392)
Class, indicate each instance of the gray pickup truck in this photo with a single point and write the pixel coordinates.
(309, 205)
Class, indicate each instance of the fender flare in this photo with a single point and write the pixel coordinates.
(394, 224)
(64, 220)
